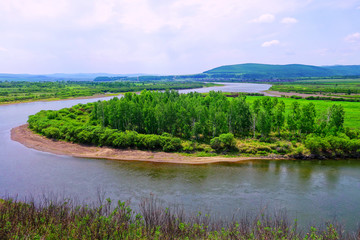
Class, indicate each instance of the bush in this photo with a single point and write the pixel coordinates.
(228, 140)
(172, 144)
(51, 132)
(225, 141)
(317, 144)
(215, 143)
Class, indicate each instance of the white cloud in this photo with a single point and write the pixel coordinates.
(35, 9)
(353, 38)
(265, 18)
(270, 43)
(289, 20)
(157, 36)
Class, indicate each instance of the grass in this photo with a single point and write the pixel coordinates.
(64, 219)
(349, 88)
(15, 92)
(352, 109)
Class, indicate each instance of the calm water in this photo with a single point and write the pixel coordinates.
(310, 191)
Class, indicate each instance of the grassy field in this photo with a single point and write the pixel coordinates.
(14, 92)
(349, 88)
(352, 109)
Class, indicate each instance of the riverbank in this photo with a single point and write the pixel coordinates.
(65, 219)
(62, 99)
(25, 136)
(289, 94)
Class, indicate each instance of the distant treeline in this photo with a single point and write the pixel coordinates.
(257, 72)
(25, 91)
(221, 77)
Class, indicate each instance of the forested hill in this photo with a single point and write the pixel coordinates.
(268, 71)
(59, 77)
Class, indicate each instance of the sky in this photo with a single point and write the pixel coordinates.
(174, 36)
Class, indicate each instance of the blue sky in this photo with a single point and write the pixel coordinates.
(174, 36)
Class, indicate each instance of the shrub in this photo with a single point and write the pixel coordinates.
(228, 140)
(225, 141)
(172, 144)
(51, 132)
(215, 143)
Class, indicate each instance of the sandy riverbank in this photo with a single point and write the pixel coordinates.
(25, 136)
(289, 94)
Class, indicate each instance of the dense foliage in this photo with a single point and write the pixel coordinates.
(32, 91)
(169, 121)
(193, 116)
(51, 219)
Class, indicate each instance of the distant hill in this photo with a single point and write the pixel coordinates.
(59, 76)
(268, 71)
(344, 70)
(247, 72)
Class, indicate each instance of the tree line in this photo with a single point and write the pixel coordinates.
(193, 116)
(24, 91)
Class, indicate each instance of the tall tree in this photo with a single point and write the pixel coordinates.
(279, 117)
(307, 120)
(336, 115)
(294, 117)
(255, 107)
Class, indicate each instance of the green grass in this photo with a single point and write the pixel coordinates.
(56, 219)
(329, 87)
(352, 109)
(11, 92)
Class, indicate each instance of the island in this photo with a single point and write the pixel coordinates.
(193, 128)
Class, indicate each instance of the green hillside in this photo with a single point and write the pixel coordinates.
(341, 70)
(258, 71)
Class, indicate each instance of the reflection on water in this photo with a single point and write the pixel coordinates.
(310, 190)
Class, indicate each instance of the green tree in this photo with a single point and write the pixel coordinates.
(294, 117)
(307, 120)
(255, 114)
(279, 117)
(336, 115)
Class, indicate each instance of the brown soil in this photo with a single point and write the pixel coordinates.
(28, 138)
(289, 94)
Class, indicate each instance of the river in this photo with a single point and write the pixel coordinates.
(311, 191)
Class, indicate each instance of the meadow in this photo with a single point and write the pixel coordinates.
(352, 109)
(346, 88)
(13, 92)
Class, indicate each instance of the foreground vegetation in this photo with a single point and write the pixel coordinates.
(192, 123)
(51, 219)
(34, 91)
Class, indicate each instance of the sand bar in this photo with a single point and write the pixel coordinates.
(25, 136)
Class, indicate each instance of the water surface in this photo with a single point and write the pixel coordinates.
(310, 190)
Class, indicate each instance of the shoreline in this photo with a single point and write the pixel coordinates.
(84, 97)
(64, 99)
(289, 94)
(25, 136)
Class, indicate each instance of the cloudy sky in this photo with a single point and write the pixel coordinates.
(174, 36)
